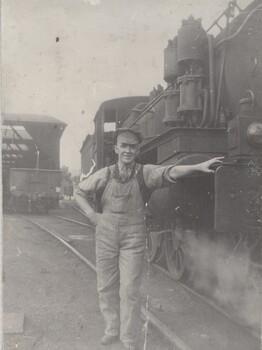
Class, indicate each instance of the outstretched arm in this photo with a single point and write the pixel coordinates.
(178, 171)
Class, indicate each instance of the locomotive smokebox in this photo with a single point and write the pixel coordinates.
(245, 131)
(190, 41)
(190, 198)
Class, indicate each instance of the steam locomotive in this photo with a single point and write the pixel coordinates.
(211, 106)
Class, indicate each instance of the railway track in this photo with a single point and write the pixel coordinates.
(202, 297)
(253, 264)
(146, 313)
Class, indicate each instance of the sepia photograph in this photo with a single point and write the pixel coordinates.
(131, 175)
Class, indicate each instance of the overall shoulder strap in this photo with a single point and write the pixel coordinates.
(99, 193)
(144, 190)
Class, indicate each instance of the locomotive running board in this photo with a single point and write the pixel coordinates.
(186, 140)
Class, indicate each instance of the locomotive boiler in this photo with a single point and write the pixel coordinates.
(211, 106)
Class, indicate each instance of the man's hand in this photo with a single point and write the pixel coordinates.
(179, 171)
(95, 218)
(204, 167)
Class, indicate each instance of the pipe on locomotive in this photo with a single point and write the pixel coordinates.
(221, 77)
(211, 79)
(150, 105)
(230, 4)
(220, 86)
(241, 27)
(205, 109)
(252, 98)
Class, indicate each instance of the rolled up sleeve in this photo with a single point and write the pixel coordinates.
(157, 176)
(92, 184)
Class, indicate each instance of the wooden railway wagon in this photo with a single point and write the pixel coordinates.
(211, 106)
(31, 162)
(34, 190)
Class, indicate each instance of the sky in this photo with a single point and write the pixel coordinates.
(65, 57)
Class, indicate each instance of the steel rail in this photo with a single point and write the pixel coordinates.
(74, 221)
(57, 235)
(146, 314)
(201, 297)
(77, 209)
(207, 301)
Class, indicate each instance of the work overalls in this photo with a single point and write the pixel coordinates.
(120, 245)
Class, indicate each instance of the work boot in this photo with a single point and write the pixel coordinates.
(108, 339)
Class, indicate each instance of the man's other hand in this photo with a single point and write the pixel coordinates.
(95, 218)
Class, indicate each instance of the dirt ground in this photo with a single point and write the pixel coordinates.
(53, 290)
(56, 294)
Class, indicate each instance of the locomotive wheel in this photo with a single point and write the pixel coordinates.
(153, 247)
(175, 255)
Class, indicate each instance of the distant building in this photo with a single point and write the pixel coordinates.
(87, 154)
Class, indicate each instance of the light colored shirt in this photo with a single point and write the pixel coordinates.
(155, 177)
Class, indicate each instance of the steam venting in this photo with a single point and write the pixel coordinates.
(227, 276)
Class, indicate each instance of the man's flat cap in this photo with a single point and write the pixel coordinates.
(127, 134)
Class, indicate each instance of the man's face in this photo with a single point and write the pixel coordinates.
(126, 148)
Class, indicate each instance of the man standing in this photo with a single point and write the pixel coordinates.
(120, 231)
